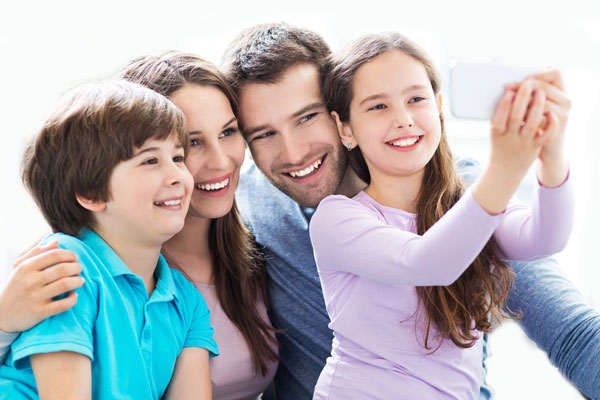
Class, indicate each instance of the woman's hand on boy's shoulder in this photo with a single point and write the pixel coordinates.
(29, 294)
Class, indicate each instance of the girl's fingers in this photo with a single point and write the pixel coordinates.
(62, 286)
(500, 117)
(554, 94)
(60, 271)
(519, 107)
(552, 76)
(535, 114)
(551, 130)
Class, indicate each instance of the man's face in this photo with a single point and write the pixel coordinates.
(291, 136)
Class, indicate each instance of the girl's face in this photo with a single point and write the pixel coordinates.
(216, 149)
(394, 116)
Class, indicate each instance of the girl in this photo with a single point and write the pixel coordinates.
(411, 267)
(214, 250)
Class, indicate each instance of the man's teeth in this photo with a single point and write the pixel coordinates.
(214, 186)
(405, 142)
(168, 203)
(307, 170)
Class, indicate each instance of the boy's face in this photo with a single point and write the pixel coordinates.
(150, 193)
(291, 135)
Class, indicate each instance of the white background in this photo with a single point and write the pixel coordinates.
(48, 47)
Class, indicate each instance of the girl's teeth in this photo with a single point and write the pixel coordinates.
(307, 170)
(214, 186)
(404, 142)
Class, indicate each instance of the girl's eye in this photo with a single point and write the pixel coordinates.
(228, 132)
(378, 107)
(308, 117)
(179, 159)
(416, 99)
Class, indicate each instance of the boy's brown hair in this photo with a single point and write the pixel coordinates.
(94, 128)
(262, 53)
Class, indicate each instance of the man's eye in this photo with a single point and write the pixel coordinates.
(228, 132)
(264, 135)
(308, 117)
(378, 107)
(416, 99)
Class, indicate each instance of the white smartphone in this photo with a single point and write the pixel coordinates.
(476, 87)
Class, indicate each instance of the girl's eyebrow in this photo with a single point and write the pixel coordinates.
(385, 95)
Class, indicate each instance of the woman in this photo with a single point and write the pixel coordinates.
(215, 251)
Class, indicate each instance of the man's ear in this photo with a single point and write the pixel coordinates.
(344, 131)
(94, 206)
(439, 102)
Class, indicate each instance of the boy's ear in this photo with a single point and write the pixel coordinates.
(94, 206)
(344, 131)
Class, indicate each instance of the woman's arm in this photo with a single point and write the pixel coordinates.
(62, 375)
(191, 377)
(28, 297)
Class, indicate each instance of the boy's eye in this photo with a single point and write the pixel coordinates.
(416, 99)
(150, 161)
(228, 132)
(179, 159)
(378, 107)
(307, 118)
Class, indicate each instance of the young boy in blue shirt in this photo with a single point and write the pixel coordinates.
(107, 172)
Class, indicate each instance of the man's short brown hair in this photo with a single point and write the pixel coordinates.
(262, 53)
(93, 129)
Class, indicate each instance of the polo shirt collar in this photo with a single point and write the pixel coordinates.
(165, 285)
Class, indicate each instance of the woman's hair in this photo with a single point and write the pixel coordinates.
(477, 297)
(239, 270)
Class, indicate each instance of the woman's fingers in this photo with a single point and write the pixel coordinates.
(62, 286)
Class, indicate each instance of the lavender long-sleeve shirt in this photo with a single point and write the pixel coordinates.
(370, 259)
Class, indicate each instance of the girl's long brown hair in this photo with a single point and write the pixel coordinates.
(238, 267)
(478, 296)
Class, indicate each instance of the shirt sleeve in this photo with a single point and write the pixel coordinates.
(71, 330)
(200, 332)
(541, 230)
(6, 340)
(346, 236)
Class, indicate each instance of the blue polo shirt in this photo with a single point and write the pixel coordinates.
(133, 340)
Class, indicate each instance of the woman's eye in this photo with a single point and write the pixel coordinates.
(308, 117)
(194, 142)
(416, 99)
(228, 132)
(378, 107)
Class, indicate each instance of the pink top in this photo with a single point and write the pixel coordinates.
(370, 259)
(232, 373)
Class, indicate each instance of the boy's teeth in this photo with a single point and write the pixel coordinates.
(307, 170)
(214, 186)
(404, 142)
(168, 203)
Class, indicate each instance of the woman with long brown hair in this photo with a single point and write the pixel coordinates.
(215, 250)
(411, 267)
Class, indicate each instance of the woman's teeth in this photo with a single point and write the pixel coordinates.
(307, 170)
(405, 142)
(213, 186)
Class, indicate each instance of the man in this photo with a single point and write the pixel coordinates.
(277, 71)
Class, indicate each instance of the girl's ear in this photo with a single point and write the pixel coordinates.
(439, 102)
(344, 131)
(94, 206)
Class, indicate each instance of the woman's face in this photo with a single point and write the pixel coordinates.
(216, 148)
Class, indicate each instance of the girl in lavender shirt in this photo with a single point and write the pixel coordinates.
(411, 267)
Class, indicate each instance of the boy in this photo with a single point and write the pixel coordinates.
(107, 171)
